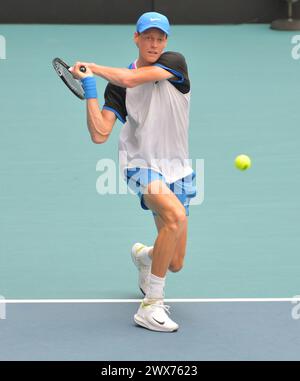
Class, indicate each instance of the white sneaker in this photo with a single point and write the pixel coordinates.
(144, 270)
(154, 317)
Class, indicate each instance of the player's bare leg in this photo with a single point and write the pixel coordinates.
(142, 256)
(172, 226)
(160, 199)
(180, 250)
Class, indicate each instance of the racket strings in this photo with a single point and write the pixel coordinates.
(73, 83)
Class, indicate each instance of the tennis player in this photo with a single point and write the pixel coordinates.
(152, 98)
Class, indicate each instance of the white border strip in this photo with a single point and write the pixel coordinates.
(230, 300)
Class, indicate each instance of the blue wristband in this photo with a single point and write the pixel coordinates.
(89, 87)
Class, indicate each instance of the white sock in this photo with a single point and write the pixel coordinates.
(156, 287)
(144, 255)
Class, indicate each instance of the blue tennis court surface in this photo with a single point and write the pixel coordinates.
(106, 331)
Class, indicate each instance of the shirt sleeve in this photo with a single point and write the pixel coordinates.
(115, 101)
(175, 63)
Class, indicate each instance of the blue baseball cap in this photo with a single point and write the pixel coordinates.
(153, 20)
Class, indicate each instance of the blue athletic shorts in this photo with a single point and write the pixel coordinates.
(138, 179)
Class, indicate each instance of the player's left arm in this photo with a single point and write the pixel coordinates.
(126, 77)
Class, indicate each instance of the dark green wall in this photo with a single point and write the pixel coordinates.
(127, 11)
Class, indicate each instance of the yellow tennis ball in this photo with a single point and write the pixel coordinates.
(243, 162)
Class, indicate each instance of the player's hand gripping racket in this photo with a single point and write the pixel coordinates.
(62, 69)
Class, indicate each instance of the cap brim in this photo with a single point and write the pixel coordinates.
(153, 26)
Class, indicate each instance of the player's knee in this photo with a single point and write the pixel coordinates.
(98, 139)
(175, 219)
(176, 266)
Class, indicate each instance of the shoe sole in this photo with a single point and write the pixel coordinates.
(134, 259)
(140, 321)
(142, 291)
(136, 265)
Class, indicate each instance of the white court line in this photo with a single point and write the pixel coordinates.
(230, 300)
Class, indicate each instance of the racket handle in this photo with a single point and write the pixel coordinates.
(82, 69)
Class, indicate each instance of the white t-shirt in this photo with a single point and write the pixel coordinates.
(156, 121)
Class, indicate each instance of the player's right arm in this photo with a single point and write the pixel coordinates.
(100, 123)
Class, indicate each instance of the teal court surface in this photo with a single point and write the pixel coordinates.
(65, 269)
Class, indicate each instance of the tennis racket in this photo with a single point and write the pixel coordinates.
(62, 69)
